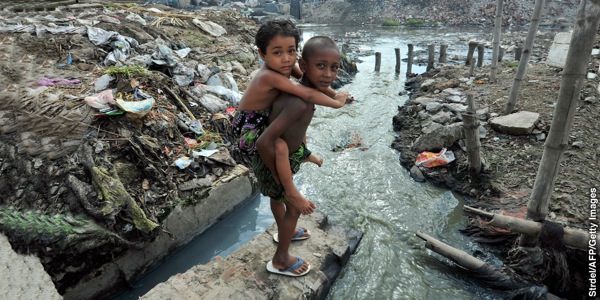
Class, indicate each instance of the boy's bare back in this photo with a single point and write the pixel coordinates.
(291, 116)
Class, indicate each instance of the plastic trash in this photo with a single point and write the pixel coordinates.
(100, 100)
(211, 28)
(45, 81)
(204, 153)
(137, 109)
(203, 73)
(183, 162)
(232, 96)
(102, 82)
(430, 159)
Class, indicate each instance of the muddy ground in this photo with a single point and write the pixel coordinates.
(505, 185)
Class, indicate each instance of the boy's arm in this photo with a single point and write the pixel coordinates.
(282, 83)
(296, 72)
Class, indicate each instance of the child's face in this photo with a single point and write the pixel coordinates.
(280, 55)
(321, 68)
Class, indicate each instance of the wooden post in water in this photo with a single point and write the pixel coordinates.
(480, 52)
(377, 61)
(443, 57)
(472, 67)
(431, 50)
(397, 50)
(472, 46)
(518, 51)
(578, 56)
(471, 130)
(410, 60)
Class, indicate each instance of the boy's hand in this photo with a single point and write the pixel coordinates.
(341, 97)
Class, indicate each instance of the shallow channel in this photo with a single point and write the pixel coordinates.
(364, 188)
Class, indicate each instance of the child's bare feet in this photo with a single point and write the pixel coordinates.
(314, 159)
(305, 206)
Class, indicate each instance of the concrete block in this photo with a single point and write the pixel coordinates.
(557, 55)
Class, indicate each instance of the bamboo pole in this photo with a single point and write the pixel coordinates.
(533, 27)
(430, 60)
(573, 238)
(458, 256)
(410, 60)
(518, 52)
(443, 56)
(472, 67)
(578, 56)
(480, 52)
(397, 51)
(496, 43)
(377, 61)
(471, 129)
(180, 102)
(472, 46)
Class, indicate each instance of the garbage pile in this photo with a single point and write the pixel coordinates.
(111, 114)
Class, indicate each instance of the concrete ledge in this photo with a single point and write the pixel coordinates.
(23, 276)
(243, 274)
(182, 225)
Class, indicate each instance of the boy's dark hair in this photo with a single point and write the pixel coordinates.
(273, 28)
(317, 43)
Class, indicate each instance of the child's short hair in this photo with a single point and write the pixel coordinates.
(273, 28)
(317, 43)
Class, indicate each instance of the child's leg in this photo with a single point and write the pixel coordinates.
(314, 159)
(284, 170)
(282, 258)
(278, 210)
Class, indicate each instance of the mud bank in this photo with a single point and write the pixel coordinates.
(433, 119)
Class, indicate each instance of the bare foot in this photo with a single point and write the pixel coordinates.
(314, 159)
(301, 203)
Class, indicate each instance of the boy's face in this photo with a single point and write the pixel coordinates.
(321, 68)
(280, 55)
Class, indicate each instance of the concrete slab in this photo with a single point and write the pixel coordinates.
(23, 276)
(243, 274)
(557, 55)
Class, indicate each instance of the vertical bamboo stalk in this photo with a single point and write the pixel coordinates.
(578, 56)
(443, 56)
(397, 50)
(472, 67)
(471, 130)
(472, 46)
(480, 52)
(514, 92)
(518, 52)
(431, 50)
(410, 60)
(496, 50)
(377, 61)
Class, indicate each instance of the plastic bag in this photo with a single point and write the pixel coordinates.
(430, 159)
(100, 100)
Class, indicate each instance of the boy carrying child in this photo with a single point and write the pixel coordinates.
(288, 118)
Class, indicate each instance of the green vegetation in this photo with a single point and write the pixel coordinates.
(415, 22)
(513, 64)
(195, 38)
(126, 71)
(390, 23)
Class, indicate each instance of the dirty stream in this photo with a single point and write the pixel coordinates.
(363, 187)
